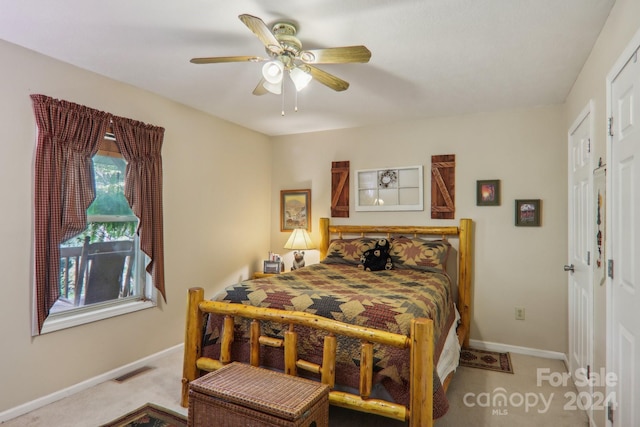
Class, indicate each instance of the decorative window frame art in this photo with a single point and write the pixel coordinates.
(488, 192)
(295, 210)
(528, 212)
(390, 189)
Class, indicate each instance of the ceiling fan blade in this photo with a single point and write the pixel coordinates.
(263, 32)
(219, 59)
(260, 89)
(326, 79)
(336, 55)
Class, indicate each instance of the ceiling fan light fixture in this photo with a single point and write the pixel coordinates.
(300, 78)
(274, 88)
(273, 72)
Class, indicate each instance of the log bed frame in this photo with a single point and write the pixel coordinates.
(420, 342)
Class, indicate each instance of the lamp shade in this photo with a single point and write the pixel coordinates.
(299, 239)
(273, 71)
(300, 78)
(275, 88)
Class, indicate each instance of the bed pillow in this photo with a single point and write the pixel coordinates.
(418, 254)
(348, 251)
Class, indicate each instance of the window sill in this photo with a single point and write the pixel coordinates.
(76, 318)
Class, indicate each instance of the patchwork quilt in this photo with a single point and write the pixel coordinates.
(386, 300)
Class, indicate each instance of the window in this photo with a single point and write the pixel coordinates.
(71, 156)
(102, 269)
(68, 139)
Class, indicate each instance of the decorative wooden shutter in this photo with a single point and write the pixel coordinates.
(443, 174)
(340, 189)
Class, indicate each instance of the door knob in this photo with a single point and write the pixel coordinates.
(569, 268)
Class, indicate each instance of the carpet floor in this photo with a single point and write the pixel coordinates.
(470, 395)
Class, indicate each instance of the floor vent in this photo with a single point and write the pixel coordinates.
(132, 374)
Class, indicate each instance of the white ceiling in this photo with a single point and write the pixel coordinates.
(429, 57)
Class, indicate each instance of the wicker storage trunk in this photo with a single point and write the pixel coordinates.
(240, 395)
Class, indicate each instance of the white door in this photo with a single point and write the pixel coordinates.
(623, 242)
(580, 226)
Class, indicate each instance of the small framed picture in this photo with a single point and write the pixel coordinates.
(488, 192)
(528, 213)
(272, 267)
(295, 210)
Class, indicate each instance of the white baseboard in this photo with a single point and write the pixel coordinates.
(528, 351)
(107, 376)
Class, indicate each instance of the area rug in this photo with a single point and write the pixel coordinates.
(483, 359)
(149, 415)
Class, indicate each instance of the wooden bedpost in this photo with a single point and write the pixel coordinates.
(464, 277)
(325, 237)
(192, 342)
(421, 400)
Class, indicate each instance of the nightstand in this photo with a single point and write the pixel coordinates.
(259, 274)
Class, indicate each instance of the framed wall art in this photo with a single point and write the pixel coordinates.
(272, 267)
(528, 213)
(295, 209)
(389, 189)
(488, 192)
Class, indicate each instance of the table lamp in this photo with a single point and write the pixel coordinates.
(299, 240)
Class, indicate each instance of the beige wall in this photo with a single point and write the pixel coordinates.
(207, 205)
(514, 266)
(622, 25)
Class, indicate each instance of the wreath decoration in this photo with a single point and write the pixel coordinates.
(388, 178)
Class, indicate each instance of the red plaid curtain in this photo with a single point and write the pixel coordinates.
(140, 145)
(68, 137)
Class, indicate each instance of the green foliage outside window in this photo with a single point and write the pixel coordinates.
(109, 176)
(110, 201)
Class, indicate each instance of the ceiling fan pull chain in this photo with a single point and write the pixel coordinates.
(295, 107)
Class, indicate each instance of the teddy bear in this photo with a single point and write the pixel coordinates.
(378, 258)
(298, 260)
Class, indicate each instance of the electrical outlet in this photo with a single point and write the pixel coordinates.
(519, 313)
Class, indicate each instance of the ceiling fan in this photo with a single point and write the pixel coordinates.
(285, 55)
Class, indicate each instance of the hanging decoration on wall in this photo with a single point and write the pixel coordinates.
(528, 212)
(599, 186)
(340, 189)
(295, 209)
(388, 178)
(389, 189)
(443, 174)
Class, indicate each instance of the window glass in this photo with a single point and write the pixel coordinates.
(103, 265)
